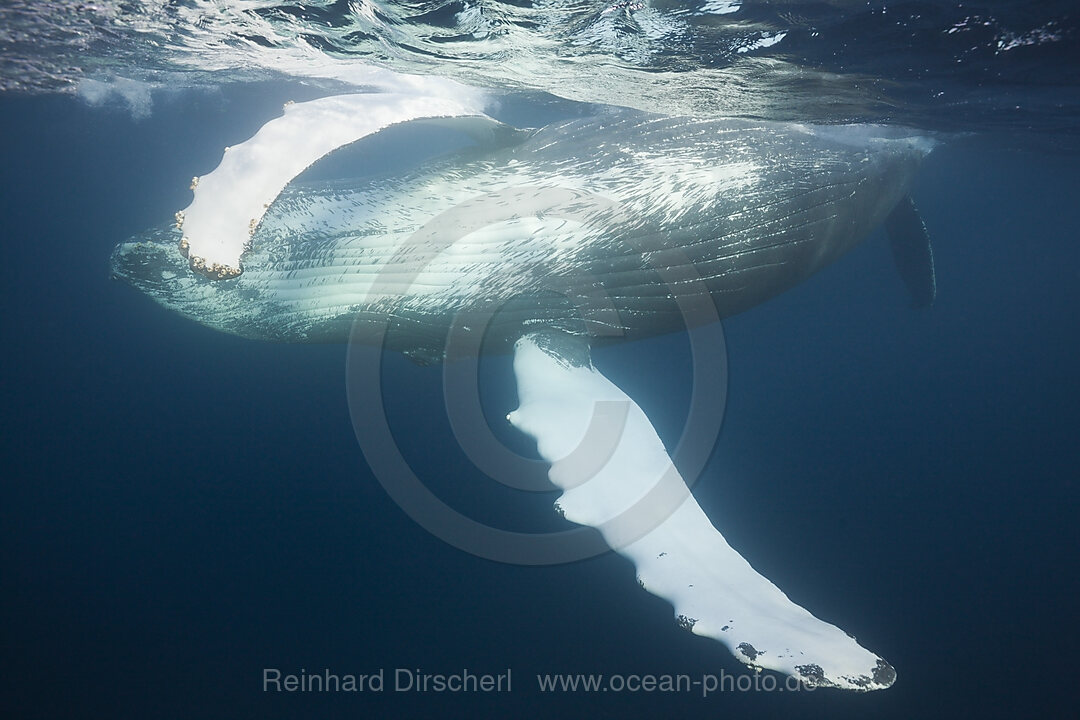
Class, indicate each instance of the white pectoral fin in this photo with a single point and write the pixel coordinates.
(230, 202)
(617, 477)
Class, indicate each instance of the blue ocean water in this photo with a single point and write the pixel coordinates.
(183, 509)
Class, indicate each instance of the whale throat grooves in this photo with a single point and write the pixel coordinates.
(229, 202)
(639, 209)
(617, 225)
(626, 487)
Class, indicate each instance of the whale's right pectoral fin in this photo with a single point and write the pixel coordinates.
(912, 252)
(618, 478)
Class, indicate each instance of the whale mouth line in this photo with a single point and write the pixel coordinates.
(537, 243)
(753, 207)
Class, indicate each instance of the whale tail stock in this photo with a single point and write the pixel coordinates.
(912, 252)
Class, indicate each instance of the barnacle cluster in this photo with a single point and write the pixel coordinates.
(214, 271)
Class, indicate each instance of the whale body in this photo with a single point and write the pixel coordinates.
(545, 243)
(649, 213)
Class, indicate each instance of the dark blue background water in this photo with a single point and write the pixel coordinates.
(181, 509)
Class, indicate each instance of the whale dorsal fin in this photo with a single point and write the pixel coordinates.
(912, 252)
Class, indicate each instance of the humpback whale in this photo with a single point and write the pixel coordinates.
(547, 241)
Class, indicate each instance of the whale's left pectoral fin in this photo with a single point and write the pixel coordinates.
(229, 203)
(617, 477)
(912, 252)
